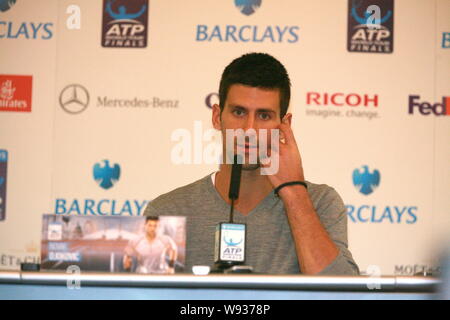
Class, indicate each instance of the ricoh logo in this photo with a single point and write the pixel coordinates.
(441, 108)
(366, 180)
(352, 105)
(247, 33)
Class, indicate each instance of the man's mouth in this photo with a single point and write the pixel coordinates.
(247, 146)
(246, 149)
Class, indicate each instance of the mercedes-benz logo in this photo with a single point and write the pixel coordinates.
(74, 98)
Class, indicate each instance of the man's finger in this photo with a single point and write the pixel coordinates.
(267, 160)
(286, 131)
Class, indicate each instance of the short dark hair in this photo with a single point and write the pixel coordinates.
(256, 70)
(151, 218)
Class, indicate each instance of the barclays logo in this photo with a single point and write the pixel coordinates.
(106, 176)
(247, 33)
(382, 214)
(5, 5)
(24, 30)
(247, 7)
(446, 40)
(102, 207)
(366, 181)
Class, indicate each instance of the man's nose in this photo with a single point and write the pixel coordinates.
(250, 130)
(250, 122)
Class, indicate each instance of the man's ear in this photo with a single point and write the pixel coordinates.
(287, 118)
(216, 117)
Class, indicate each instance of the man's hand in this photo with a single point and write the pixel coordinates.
(290, 163)
(127, 262)
(170, 270)
(314, 247)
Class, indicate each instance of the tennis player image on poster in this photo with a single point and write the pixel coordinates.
(151, 245)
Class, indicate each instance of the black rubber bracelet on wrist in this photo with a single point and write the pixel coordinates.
(291, 183)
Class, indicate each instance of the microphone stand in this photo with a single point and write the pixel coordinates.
(229, 255)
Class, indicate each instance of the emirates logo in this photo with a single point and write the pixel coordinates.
(7, 90)
(15, 93)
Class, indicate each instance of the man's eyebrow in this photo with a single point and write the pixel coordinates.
(265, 110)
(238, 107)
(257, 110)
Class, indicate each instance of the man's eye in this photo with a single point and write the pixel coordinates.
(238, 112)
(264, 116)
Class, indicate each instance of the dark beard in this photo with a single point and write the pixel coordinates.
(250, 167)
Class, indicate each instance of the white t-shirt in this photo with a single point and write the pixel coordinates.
(151, 256)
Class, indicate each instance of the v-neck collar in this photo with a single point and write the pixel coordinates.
(226, 206)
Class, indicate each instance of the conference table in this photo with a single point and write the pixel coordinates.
(91, 286)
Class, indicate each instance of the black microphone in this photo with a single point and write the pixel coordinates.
(235, 183)
(231, 237)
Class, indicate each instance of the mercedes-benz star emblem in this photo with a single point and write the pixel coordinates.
(74, 98)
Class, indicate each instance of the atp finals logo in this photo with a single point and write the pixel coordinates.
(366, 180)
(125, 23)
(370, 26)
(232, 245)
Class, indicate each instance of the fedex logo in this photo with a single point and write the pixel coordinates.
(441, 108)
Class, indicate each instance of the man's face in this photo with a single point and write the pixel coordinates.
(248, 108)
(150, 227)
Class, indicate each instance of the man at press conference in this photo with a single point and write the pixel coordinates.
(293, 226)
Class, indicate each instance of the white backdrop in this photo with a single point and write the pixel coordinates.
(138, 97)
